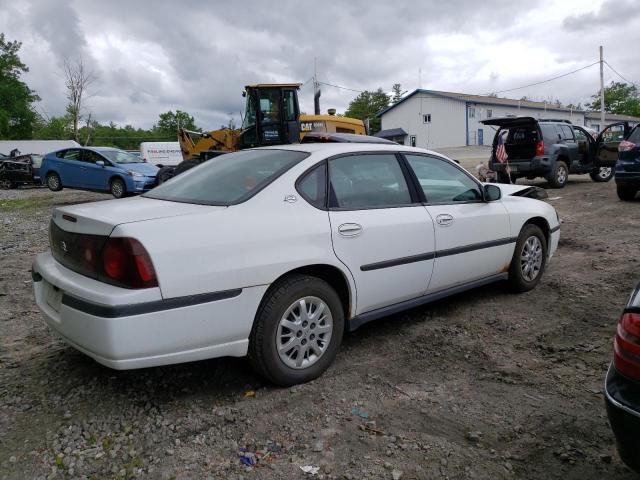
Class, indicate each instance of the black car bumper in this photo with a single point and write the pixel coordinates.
(537, 166)
(622, 397)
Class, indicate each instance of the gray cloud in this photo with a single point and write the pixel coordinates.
(612, 14)
(150, 57)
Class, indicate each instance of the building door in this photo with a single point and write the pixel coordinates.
(480, 137)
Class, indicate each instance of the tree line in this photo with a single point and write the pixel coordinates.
(19, 118)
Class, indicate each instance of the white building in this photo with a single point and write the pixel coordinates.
(41, 147)
(434, 119)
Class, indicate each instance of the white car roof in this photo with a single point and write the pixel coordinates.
(337, 148)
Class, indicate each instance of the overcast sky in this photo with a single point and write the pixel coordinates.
(150, 57)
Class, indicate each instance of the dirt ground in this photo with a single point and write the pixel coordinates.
(483, 385)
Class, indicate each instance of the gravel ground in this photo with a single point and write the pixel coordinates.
(485, 384)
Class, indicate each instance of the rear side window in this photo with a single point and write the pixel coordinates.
(367, 181)
(567, 132)
(313, 186)
(71, 154)
(634, 136)
(549, 132)
(228, 179)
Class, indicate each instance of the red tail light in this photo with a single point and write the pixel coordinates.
(626, 346)
(126, 263)
(626, 146)
(539, 148)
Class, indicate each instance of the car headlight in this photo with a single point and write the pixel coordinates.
(135, 174)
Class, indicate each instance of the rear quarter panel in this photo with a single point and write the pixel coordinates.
(244, 245)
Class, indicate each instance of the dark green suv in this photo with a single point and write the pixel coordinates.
(529, 147)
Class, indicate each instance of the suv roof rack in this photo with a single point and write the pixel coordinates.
(562, 120)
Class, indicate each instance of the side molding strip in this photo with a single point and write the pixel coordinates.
(115, 311)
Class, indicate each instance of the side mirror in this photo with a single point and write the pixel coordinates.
(100, 163)
(491, 193)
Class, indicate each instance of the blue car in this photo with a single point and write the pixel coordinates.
(99, 169)
(627, 171)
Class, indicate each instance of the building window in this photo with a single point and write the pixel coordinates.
(472, 112)
(426, 118)
(489, 113)
(412, 140)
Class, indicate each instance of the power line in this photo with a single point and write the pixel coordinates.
(544, 81)
(339, 86)
(614, 71)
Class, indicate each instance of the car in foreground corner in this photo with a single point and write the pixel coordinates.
(622, 385)
(275, 252)
(627, 169)
(100, 169)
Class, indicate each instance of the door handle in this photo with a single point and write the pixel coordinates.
(444, 219)
(350, 229)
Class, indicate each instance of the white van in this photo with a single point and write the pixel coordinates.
(161, 153)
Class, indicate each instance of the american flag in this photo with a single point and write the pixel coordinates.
(501, 152)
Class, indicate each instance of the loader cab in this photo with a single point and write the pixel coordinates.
(271, 115)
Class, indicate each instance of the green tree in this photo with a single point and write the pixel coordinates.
(17, 114)
(54, 128)
(169, 122)
(366, 105)
(619, 98)
(397, 92)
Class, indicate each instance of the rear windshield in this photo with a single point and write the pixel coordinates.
(228, 179)
(635, 135)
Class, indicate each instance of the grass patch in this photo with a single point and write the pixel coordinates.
(15, 204)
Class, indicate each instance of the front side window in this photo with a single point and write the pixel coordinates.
(634, 137)
(92, 157)
(580, 135)
(228, 179)
(442, 182)
(367, 181)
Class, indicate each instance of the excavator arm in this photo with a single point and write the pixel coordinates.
(224, 140)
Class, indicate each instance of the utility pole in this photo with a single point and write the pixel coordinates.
(601, 89)
(316, 87)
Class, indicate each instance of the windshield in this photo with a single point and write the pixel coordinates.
(228, 179)
(120, 156)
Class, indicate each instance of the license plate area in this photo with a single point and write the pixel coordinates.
(53, 297)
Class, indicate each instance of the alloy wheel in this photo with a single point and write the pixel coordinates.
(304, 332)
(5, 184)
(561, 175)
(531, 258)
(604, 172)
(53, 182)
(116, 189)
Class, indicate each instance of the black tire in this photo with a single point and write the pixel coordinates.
(7, 183)
(517, 280)
(164, 174)
(117, 188)
(185, 165)
(263, 342)
(503, 177)
(53, 182)
(559, 175)
(601, 175)
(626, 194)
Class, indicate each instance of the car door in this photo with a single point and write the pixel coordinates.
(472, 237)
(607, 144)
(379, 229)
(569, 140)
(96, 176)
(70, 167)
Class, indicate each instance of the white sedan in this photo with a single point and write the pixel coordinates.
(275, 252)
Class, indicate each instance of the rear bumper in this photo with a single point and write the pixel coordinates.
(125, 329)
(622, 398)
(535, 166)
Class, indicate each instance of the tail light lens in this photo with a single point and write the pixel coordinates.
(126, 263)
(626, 146)
(119, 261)
(626, 346)
(539, 148)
